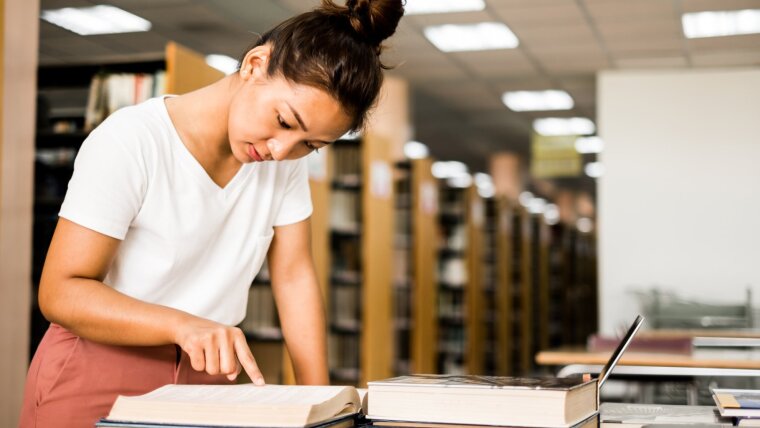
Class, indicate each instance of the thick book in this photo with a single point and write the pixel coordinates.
(244, 405)
(737, 402)
(492, 400)
(483, 400)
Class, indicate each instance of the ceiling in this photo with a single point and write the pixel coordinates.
(457, 108)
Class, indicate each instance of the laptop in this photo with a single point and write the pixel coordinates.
(622, 346)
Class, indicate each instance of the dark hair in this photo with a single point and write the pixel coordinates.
(337, 49)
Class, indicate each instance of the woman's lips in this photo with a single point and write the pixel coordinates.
(254, 154)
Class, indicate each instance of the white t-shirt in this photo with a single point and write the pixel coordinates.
(186, 242)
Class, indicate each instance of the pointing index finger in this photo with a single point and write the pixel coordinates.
(246, 359)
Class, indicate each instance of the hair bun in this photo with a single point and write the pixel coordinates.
(375, 20)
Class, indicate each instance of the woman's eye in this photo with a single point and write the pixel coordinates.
(311, 146)
(282, 122)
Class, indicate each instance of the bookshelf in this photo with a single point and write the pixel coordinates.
(360, 339)
(64, 95)
(540, 283)
(452, 279)
(490, 285)
(415, 296)
(522, 306)
(474, 295)
(403, 268)
(460, 289)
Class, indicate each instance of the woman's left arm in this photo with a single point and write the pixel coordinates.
(299, 302)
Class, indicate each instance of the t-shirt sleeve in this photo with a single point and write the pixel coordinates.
(107, 188)
(296, 202)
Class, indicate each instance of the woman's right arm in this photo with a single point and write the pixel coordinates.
(73, 295)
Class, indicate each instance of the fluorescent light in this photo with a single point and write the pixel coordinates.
(721, 23)
(584, 225)
(223, 63)
(418, 7)
(552, 126)
(450, 169)
(471, 37)
(551, 214)
(486, 192)
(594, 169)
(460, 181)
(485, 186)
(537, 100)
(525, 198)
(586, 145)
(101, 19)
(415, 150)
(537, 206)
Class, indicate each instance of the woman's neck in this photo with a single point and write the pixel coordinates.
(201, 118)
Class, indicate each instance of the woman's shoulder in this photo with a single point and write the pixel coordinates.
(140, 119)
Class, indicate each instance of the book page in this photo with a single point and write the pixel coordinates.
(242, 394)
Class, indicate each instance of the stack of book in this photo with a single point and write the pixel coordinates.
(741, 404)
(431, 401)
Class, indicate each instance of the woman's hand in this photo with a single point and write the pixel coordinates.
(217, 349)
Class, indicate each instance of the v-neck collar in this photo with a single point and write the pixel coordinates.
(194, 165)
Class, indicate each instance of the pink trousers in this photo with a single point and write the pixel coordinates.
(72, 382)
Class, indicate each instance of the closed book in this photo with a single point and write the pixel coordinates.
(483, 400)
(737, 402)
(244, 405)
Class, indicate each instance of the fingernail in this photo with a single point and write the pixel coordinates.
(259, 381)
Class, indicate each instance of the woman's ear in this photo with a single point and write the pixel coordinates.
(255, 63)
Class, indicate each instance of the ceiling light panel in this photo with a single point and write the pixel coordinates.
(538, 100)
(553, 126)
(101, 19)
(721, 23)
(471, 37)
(419, 7)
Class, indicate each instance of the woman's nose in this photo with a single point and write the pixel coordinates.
(281, 148)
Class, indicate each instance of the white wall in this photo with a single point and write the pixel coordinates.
(679, 204)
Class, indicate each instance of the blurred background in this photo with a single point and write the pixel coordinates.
(536, 174)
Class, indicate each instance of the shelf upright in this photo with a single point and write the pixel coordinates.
(425, 209)
(474, 292)
(504, 286)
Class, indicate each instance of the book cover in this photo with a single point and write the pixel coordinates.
(737, 402)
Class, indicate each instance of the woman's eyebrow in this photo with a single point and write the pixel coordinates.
(298, 117)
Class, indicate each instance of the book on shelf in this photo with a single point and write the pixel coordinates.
(243, 405)
(492, 400)
(737, 402)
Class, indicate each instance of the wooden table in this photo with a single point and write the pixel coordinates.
(657, 367)
(728, 359)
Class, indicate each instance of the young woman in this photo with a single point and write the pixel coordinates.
(175, 203)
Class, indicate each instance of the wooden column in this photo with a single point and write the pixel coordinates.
(424, 335)
(383, 140)
(18, 71)
(186, 70)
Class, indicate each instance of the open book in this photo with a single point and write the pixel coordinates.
(245, 405)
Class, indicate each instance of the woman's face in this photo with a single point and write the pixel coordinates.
(271, 118)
